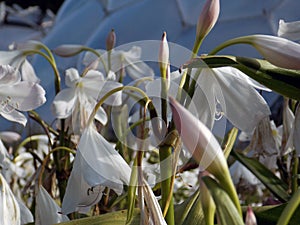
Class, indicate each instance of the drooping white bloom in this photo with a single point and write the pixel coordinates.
(82, 95)
(47, 212)
(128, 60)
(17, 95)
(228, 91)
(289, 30)
(97, 165)
(9, 207)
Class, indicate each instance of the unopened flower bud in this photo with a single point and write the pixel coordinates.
(68, 50)
(163, 56)
(207, 18)
(111, 40)
(250, 217)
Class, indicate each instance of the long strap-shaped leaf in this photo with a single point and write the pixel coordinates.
(273, 183)
(283, 81)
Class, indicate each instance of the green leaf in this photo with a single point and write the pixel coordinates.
(272, 182)
(114, 218)
(182, 210)
(269, 215)
(284, 81)
(226, 210)
(229, 141)
(132, 192)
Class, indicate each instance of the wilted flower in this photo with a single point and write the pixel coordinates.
(47, 212)
(82, 95)
(17, 95)
(128, 60)
(289, 30)
(97, 165)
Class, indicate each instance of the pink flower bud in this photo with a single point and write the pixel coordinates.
(207, 18)
(111, 40)
(68, 50)
(250, 217)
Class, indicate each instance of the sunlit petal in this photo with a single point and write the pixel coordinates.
(64, 103)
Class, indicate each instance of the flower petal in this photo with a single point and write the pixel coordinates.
(9, 207)
(15, 116)
(64, 103)
(289, 30)
(46, 210)
(28, 72)
(72, 77)
(8, 75)
(240, 101)
(102, 164)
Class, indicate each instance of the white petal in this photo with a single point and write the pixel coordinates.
(9, 136)
(47, 211)
(8, 75)
(102, 164)
(9, 207)
(13, 58)
(26, 215)
(239, 101)
(72, 76)
(15, 116)
(79, 195)
(289, 30)
(64, 103)
(24, 95)
(107, 86)
(28, 72)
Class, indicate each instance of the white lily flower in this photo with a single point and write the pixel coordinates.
(82, 95)
(9, 207)
(47, 212)
(97, 165)
(289, 30)
(232, 91)
(17, 95)
(17, 59)
(128, 60)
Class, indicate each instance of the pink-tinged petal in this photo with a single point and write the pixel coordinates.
(239, 100)
(72, 77)
(278, 51)
(207, 18)
(47, 209)
(9, 136)
(8, 75)
(250, 217)
(198, 139)
(289, 30)
(64, 103)
(14, 116)
(24, 95)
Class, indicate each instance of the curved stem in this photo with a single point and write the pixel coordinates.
(84, 48)
(239, 40)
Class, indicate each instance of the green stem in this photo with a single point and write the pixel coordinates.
(239, 40)
(295, 173)
(290, 208)
(165, 153)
